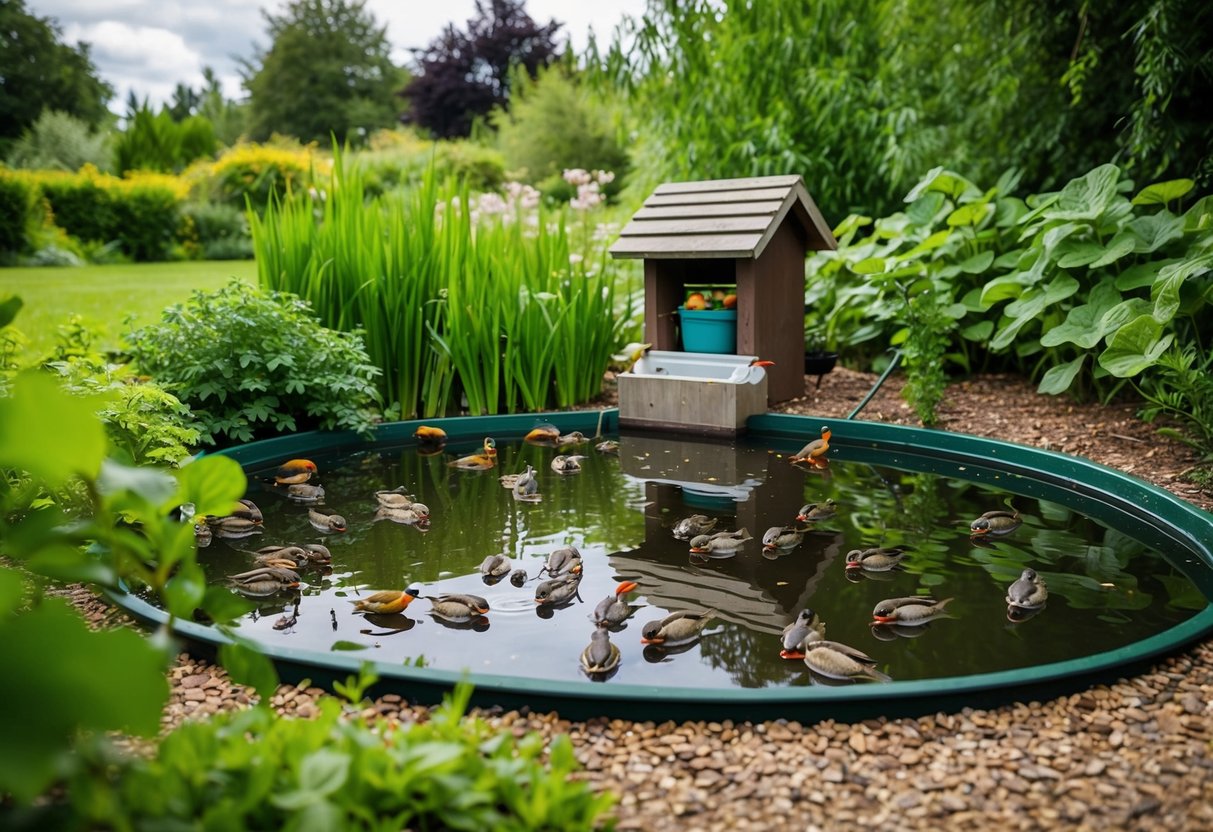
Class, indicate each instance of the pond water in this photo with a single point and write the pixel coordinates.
(1107, 589)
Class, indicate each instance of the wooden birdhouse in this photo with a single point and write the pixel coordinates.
(748, 235)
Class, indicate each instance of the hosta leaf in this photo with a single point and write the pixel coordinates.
(1082, 325)
(1123, 243)
(1155, 231)
(1122, 313)
(1079, 254)
(1135, 346)
(924, 209)
(1059, 378)
(1160, 193)
(978, 263)
(1086, 197)
(943, 181)
(870, 265)
(1140, 275)
(1170, 281)
(972, 214)
(1200, 216)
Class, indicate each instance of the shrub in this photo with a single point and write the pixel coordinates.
(58, 141)
(215, 231)
(156, 142)
(18, 204)
(251, 364)
(401, 158)
(252, 174)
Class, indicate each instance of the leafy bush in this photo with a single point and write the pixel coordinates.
(250, 364)
(18, 204)
(252, 174)
(1182, 392)
(216, 231)
(399, 158)
(252, 771)
(157, 142)
(58, 141)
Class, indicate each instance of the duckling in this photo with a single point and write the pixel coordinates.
(248, 510)
(838, 661)
(326, 523)
(782, 537)
(721, 544)
(457, 608)
(995, 522)
(304, 493)
(388, 602)
(563, 561)
(600, 656)
(1029, 592)
(676, 628)
(795, 634)
(414, 514)
(567, 464)
(545, 433)
(693, 526)
(875, 560)
(394, 498)
(295, 471)
(815, 449)
(912, 612)
(557, 590)
(302, 555)
(482, 461)
(430, 440)
(613, 609)
(571, 439)
(264, 580)
(495, 566)
(751, 373)
(608, 446)
(233, 528)
(816, 512)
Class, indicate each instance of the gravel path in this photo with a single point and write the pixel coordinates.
(1137, 754)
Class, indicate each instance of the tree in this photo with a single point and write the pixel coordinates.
(463, 75)
(327, 71)
(37, 71)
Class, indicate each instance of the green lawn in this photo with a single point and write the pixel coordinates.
(105, 295)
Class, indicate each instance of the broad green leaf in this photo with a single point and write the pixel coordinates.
(870, 265)
(1122, 313)
(1059, 378)
(248, 666)
(943, 181)
(324, 771)
(1122, 244)
(151, 484)
(1083, 324)
(924, 209)
(342, 644)
(1135, 346)
(223, 605)
(978, 263)
(48, 433)
(972, 214)
(60, 678)
(1027, 308)
(211, 483)
(71, 564)
(1075, 254)
(184, 591)
(1170, 281)
(930, 243)
(1160, 193)
(1086, 197)
(12, 588)
(1200, 216)
(979, 331)
(1002, 288)
(1140, 275)
(9, 307)
(1155, 231)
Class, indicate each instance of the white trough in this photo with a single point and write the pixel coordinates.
(692, 392)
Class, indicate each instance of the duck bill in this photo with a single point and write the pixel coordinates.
(644, 640)
(884, 619)
(699, 550)
(801, 518)
(763, 364)
(853, 566)
(791, 654)
(978, 532)
(625, 587)
(769, 547)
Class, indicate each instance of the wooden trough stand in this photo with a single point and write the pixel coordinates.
(753, 233)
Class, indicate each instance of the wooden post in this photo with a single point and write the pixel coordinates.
(663, 292)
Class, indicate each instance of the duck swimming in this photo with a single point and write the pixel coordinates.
(557, 590)
(1029, 592)
(233, 528)
(394, 498)
(676, 628)
(567, 464)
(782, 537)
(796, 633)
(326, 523)
(600, 656)
(298, 556)
(838, 661)
(295, 471)
(693, 526)
(304, 493)
(457, 608)
(613, 609)
(816, 512)
(416, 514)
(486, 459)
(608, 446)
(544, 433)
(388, 602)
(875, 560)
(721, 544)
(563, 561)
(911, 612)
(495, 566)
(430, 440)
(264, 580)
(995, 522)
(814, 450)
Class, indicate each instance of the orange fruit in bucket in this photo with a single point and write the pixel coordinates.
(696, 300)
(730, 301)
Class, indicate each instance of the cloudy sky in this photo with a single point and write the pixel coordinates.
(150, 45)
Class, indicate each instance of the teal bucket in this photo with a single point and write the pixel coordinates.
(708, 330)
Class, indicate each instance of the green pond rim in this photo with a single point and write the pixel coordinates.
(1181, 522)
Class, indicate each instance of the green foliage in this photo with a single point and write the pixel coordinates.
(400, 158)
(252, 771)
(457, 296)
(145, 424)
(927, 337)
(1045, 284)
(41, 72)
(555, 123)
(215, 231)
(59, 141)
(251, 364)
(1182, 392)
(18, 213)
(328, 73)
(98, 681)
(157, 142)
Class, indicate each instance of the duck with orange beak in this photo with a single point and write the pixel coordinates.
(815, 450)
(914, 611)
(613, 610)
(995, 523)
(676, 628)
(295, 472)
(600, 657)
(483, 461)
(327, 523)
(816, 512)
(751, 373)
(795, 634)
(875, 560)
(457, 608)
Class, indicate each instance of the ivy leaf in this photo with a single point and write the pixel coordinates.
(1135, 346)
(1160, 193)
(1059, 378)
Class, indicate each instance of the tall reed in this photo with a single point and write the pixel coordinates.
(495, 309)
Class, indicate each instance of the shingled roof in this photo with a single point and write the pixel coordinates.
(726, 218)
